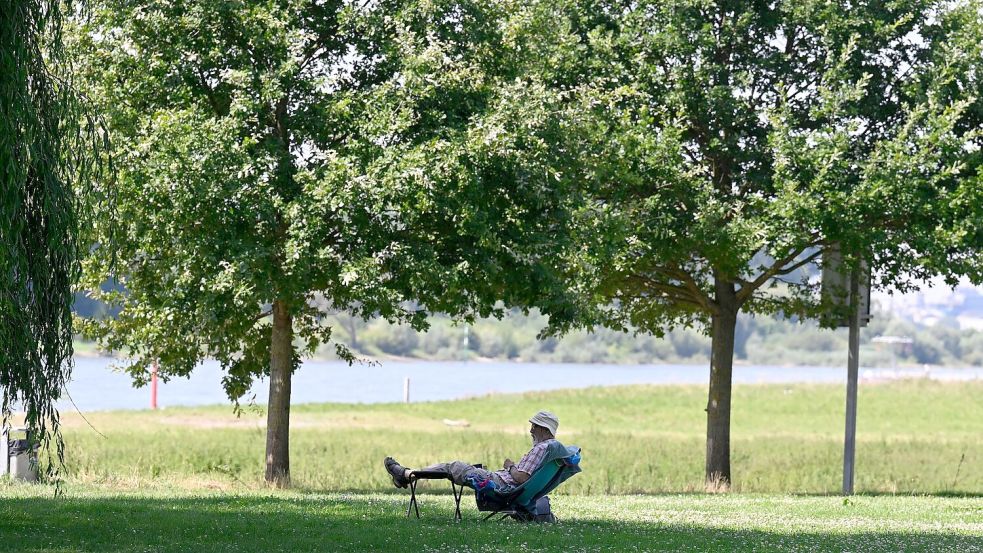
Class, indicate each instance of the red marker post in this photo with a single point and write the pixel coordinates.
(153, 385)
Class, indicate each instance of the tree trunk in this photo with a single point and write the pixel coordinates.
(353, 332)
(718, 404)
(278, 411)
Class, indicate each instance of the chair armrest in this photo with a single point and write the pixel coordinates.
(429, 475)
(434, 474)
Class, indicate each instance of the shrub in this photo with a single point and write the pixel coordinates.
(394, 340)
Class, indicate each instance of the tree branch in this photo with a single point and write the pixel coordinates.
(800, 264)
(704, 300)
(677, 292)
(209, 92)
(676, 300)
(312, 52)
(778, 268)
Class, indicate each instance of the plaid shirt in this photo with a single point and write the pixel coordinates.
(529, 462)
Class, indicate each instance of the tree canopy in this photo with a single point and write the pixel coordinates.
(280, 158)
(47, 147)
(677, 161)
(733, 142)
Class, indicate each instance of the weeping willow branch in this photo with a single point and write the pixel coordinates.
(49, 150)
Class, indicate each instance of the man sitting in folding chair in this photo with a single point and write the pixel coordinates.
(543, 432)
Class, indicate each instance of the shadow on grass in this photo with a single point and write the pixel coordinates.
(349, 522)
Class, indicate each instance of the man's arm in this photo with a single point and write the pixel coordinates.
(518, 475)
(513, 470)
(529, 463)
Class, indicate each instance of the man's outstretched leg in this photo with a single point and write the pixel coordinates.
(457, 471)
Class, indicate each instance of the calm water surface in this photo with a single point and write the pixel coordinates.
(95, 386)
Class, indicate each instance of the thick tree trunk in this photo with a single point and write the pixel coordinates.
(723, 327)
(278, 411)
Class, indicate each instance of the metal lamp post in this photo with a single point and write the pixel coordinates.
(857, 301)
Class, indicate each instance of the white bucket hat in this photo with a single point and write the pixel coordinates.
(546, 420)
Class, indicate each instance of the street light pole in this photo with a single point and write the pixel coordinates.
(853, 365)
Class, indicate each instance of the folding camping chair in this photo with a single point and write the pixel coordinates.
(520, 502)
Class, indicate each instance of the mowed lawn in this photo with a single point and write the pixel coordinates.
(919, 437)
(98, 520)
(190, 479)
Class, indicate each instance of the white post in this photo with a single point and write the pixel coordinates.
(406, 390)
(853, 364)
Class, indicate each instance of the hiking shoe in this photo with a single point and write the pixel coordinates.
(397, 472)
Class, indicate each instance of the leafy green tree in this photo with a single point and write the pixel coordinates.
(733, 142)
(45, 154)
(280, 161)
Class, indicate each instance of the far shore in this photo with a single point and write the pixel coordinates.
(90, 351)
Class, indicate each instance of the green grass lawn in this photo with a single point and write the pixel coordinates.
(100, 520)
(913, 437)
(190, 479)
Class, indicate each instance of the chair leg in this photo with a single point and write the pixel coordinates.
(413, 504)
(457, 500)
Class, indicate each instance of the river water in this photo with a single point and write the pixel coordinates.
(95, 386)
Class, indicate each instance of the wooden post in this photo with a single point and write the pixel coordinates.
(153, 385)
(853, 364)
(406, 390)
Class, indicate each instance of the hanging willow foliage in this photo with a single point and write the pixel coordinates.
(48, 149)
